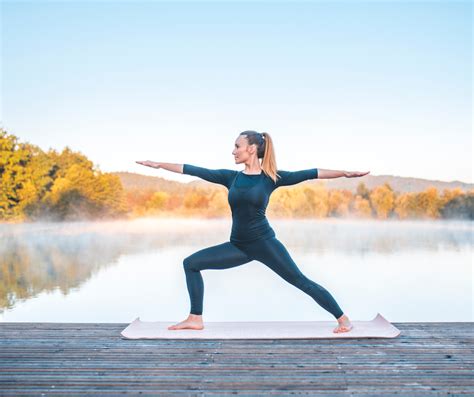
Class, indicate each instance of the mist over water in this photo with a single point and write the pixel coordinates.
(118, 270)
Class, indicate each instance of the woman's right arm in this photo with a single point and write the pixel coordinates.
(220, 176)
(167, 166)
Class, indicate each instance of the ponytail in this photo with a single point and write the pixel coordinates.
(265, 151)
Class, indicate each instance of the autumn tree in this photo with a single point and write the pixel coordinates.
(339, 201)
(449, 194)
(428, 203)
(382, 199)
(65, 185)
(405, 206)
(361, 207)
(218, 204)
(157, 201)
(26, 174)
(196, 198)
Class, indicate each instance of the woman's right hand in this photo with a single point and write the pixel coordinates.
(149, 163)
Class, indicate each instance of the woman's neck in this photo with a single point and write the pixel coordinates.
(253, 169)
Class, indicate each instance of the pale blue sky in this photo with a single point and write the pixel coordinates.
(379, 86)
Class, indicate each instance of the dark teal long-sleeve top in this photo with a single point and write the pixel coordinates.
(248, 197)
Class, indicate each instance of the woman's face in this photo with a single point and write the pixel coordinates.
(242, 150)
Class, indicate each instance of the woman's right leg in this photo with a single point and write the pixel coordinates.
(273, 253)
(222, 256)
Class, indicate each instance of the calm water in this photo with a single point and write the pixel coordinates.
(117, 271)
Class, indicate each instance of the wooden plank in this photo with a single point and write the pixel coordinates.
(435, 359)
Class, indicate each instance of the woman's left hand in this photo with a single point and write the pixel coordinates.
(354, 174)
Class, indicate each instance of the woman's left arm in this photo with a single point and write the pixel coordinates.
(328, 174)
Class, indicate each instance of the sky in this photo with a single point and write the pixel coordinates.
(375, 86)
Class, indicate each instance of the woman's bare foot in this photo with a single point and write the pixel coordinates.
(344, 324)
(194, 321)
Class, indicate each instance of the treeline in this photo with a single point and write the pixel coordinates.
(56, 186)
(37, 185)
(315, 201)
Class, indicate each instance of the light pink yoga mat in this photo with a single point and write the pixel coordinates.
(378, 327)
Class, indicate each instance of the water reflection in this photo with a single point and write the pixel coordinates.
(62, 257)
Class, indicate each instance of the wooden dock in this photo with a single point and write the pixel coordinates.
(89, 359)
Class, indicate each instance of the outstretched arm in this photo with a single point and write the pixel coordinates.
(220, 176)
(166, 166)
(287, 178)
(328, 174)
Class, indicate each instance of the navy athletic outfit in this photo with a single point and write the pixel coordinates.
(252, 237)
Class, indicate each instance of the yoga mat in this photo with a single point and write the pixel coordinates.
(378, 327)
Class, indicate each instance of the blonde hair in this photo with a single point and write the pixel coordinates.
(265, 151)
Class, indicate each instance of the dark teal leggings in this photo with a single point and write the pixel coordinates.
(270, 252)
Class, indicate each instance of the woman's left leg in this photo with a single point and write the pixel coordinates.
(273, 254)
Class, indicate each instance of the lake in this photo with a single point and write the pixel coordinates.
(116, 271)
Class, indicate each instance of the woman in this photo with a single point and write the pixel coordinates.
(252, 238)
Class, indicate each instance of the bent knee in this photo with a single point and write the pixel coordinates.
(190, 264)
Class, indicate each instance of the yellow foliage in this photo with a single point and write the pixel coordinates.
(67, 185)
(428, 202)
(157, 201)
(60, 186)
(383, 200)
(405, 205)
(196, 198)
(218, 204)
(299, 202)
(361, 208)
(448, 195)
(339, 202)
